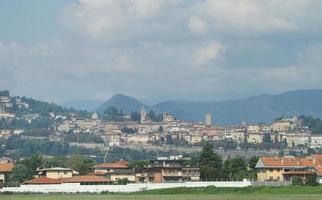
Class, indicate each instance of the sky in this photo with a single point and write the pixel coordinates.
(176, 49)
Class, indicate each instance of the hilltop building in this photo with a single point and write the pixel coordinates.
(208, 119)
(143, 115)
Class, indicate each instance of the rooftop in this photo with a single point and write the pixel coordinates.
(6, 167)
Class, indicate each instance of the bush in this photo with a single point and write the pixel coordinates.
(311, 180)
(297, 181)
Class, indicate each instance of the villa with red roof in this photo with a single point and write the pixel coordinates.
(287, 167)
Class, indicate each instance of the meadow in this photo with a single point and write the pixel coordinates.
(208, 193)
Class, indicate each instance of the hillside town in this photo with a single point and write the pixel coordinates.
(289, 131)
(287, 150)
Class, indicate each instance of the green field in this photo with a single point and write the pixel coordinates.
(163, 197)
(210, 193)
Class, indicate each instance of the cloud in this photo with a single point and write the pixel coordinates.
(115, 20)
(208, 53)
(197, 25)
(145, 47)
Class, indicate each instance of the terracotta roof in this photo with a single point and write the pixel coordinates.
(117, 165)
(87, 179)
(313, 161)
(288, 161)
(122, 162)
(299, 172)
(43, 180)
(99, 173)
(6, 167)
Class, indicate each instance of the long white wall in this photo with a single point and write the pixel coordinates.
(135, 187)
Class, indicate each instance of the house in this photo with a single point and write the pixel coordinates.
(170, 169)
(115, 171)
(56, 173)
(288, 167)
(5, 168)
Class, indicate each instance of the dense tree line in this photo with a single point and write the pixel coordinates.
(83, 138)
(212, 166)
(314, 124)
(19, 148)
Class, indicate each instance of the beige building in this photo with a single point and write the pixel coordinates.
(56, 173)
(316, 141)
(282, 126)
(285, 168)
(294, 140)
(137, 139)
(255, 138)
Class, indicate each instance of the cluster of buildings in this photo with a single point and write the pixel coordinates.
(146, 132)
(163, 169)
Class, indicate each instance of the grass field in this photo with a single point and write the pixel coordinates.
(210, 193)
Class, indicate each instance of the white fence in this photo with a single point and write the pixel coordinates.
(135, 187)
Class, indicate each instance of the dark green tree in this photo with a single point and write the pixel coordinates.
(210, 164)
(252, 162)
(81, 164)
(20, 173)
(235, 168)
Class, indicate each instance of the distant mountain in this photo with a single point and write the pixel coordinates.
(126, 103)
(263, 108)
(89, 105)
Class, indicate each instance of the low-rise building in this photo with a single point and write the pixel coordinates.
(116, 171)
(286, 168)
(168, 170)
(56, 173)
(5, 168)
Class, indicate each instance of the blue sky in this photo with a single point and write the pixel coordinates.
(194, 50)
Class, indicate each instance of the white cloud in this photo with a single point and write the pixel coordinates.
(114, 19)
(197, 25)
(208, 53)
(241, 17)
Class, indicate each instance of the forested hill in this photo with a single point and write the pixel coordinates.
(20, 105)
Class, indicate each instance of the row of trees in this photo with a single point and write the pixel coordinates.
(212, 166)
(17, 147)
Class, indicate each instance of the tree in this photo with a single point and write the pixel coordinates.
(252, 162)
(135, 116)
(81, 164)
(267, 141)
(311, 180)
(19, 174)
(235, 168)
(138, 164)
(160, 129)
(112, 114)
(33, 163)
(210, 163)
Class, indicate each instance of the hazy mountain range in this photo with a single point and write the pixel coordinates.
(262, 108)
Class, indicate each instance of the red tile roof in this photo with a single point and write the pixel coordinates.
(87, 179)
(43, 180)
(314, 161)
(6, 167)
(117, 165)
